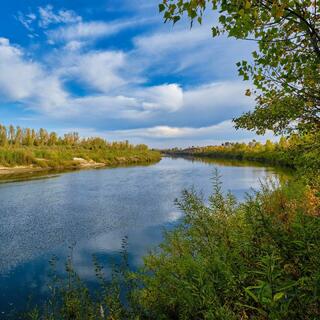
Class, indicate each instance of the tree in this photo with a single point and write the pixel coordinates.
(269, 146)
(12, 134)
(3, 136)
(43, 136)
(53, 139)
(286, 65)
(27, 137)
(18, 137)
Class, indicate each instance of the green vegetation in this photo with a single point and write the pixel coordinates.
(26, 147)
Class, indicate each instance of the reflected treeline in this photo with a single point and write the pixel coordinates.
(283, 173)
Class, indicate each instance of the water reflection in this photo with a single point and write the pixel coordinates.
(96, 209)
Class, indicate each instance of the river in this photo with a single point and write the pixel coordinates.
(93, 210)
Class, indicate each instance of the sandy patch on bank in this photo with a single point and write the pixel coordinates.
(83, 163)
(19, 169)
(79, 163)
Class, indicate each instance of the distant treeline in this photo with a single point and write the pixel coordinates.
(294, 151)
(25, 146)
(17, 136)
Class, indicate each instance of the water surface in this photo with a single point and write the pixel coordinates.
(95, 209)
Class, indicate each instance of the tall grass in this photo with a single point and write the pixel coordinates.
(63, 156)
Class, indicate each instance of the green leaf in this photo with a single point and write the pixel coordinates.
(251, 294)
(161, 7)
(278, 296)
(176, 19)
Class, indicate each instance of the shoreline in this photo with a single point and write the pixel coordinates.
(235, 157)
(79, 164)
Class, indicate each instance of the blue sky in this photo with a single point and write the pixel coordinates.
(112, 68)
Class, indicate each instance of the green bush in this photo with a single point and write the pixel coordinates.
(257, 260)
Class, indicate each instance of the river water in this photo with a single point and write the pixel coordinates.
(93, 210)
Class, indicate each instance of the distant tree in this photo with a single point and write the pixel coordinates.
(33, 136)
(11, 134)
(3, 136)
(283, 143)
(18, 137)
(71, 138)
(27, 137)
(142, 147)
(286, 66)
(43, 136)
(269, 146)
(53, 139)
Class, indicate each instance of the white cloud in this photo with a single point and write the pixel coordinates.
(105, 107)
(87, 30)
(26, 20)
(227, 94)
(135, 107)
(175, 40)
(219, 130)
(47, 16)
(17, 76)
(25, 81)
(166, 97)
(99, 70)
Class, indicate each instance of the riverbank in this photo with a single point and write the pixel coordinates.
(296, 152)
(271, 159)
(27, 150)
(45, 165)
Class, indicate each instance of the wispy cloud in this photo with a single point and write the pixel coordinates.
(44, 17)
(47, 16)
(84, 31)
(91, 30)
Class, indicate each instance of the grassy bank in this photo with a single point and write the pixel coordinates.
(58, 157)
(294, 151)
(48, 151)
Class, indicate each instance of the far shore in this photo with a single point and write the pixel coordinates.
(78, 163)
